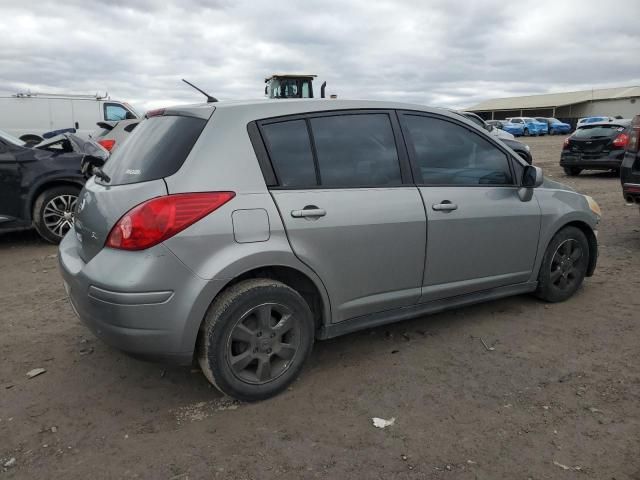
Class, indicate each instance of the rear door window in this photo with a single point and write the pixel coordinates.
(157, 148)
(356, 150)
(290, 151)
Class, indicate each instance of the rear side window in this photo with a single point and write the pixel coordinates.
(291, 155)
(448, 154)
(156, 149)
(356, 150)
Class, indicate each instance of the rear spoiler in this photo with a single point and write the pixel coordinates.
(107, 125)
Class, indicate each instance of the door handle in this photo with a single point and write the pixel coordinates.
(309, 212)
(445, 206)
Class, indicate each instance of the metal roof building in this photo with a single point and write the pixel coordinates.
(568, 106)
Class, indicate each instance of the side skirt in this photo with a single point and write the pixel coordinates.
(413, 311)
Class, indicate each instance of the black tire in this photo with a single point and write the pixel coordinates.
(526, 132)
(31, 140)
(572, 171)
(564, 265)
(551, 132)
(246, 323)
(54, 211)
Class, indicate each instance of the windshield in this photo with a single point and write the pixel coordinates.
(595, 119)
(11, 139)
(598, 131)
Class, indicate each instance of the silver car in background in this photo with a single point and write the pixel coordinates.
(239, 233)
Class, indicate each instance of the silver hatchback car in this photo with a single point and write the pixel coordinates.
(239, 233)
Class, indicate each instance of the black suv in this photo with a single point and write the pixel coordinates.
(39, 186)
(595, 146)
(630, 169)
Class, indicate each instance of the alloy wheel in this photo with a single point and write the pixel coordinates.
(565, 265)
(59, 213)
(263, 343)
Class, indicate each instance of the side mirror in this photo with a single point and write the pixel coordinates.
(532, 177)
(489, 127)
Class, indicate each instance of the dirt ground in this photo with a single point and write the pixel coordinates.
(553, 395)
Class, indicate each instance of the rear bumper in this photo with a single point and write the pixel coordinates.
(631, 192)
(606, 161)
(144, 303)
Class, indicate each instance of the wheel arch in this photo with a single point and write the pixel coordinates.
(591, 239)
(45, 185)
(294, 278)
(305, 283)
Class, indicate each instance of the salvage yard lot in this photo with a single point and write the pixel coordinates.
(509, 389)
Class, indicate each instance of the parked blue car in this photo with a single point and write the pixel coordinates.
(558, 127)
(530, 125)
(515, 129)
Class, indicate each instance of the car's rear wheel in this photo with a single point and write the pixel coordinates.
(572, 171)
(564, 265)
(255, 339)
(552, 132)
(526, 132)
(54, 212)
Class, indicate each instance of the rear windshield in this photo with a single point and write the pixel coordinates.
(598, 131)
(156, 149)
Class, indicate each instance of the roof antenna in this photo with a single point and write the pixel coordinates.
(210, 99)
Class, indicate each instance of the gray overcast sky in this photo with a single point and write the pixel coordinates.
(440, 52)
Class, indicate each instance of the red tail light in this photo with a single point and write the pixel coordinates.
(160, 218)
(633, 140)
(566, 143)
(108, 144)
(621, 140)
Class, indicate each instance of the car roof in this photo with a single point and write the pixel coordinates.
(266, 108)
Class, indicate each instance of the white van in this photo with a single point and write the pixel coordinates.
(29, 115)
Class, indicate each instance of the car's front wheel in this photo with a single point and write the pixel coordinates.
(54, 211)
(526, 132)
(564, 265)
(255, 339)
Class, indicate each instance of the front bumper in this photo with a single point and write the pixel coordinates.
(145, 303)
(595, 161)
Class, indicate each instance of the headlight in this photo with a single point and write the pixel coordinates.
(593, 205)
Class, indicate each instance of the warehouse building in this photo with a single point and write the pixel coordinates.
(568, 107)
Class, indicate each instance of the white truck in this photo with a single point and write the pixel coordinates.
(29, 115)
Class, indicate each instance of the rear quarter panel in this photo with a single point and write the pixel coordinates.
(223, 159)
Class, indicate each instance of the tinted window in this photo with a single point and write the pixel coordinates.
(598, 131)
(114, 112)
(290, 152)
(356, 150)
(157, 148)
(448, 154)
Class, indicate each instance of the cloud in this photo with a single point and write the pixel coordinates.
(442, 53)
